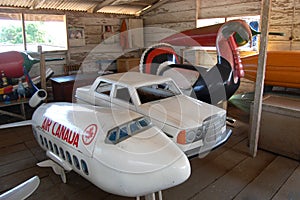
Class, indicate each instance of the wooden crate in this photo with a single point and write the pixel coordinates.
(280, 126)
(128, 64)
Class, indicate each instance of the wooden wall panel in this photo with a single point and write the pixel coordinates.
(281, 17)
(172, 16)
(295, 45)
(297, 16)
(296, 32)
(218, 3)
(175, 6)
(175, 26)
(286, 29)
(279, 45)
(153, 35)
(285, 17)
(287, 5)
(230, 10)
(93, 28)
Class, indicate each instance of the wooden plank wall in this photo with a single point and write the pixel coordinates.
(228, 8)
(96, 49)
(285, 17)
(92, 25)
(171, 17)
(93, 50)
(181, 15)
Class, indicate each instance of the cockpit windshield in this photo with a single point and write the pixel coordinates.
(156, 92)
(127, 130)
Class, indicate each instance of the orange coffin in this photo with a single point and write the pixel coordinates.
(282, 68)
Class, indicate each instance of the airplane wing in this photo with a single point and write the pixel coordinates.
(23, 190)
(16, 124)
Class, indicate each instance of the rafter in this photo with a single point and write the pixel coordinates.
(101, 5)
(154, 6)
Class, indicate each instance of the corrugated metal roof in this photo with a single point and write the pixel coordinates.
(128, 7)
(124, 9)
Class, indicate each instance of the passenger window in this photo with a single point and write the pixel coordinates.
(51, 146)
(113, 136)
(56, 150)
(122, 93)
(133, 127)
(104, 88)
(119, 134)
(144, 122)
(42, 141)
(69, 159)
(76, 162)
(46, 143)
(62, 153)
(84, 167)
(123, 133)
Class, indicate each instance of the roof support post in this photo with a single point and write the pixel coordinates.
(260, 77)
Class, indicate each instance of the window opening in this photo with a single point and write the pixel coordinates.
(56, 150)
(46, 143)
(41, 139)
(69, 159)
(253, 22)
(76, 162)
(157, 92)
(48, 31)
(125, 131)
(62, 153)
(104, 88)
(84, 167)
(51, 146)
(122, 93)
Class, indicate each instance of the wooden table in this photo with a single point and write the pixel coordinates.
(20, 103)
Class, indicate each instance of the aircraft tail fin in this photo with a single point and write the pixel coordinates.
(58, 165)
(55, 167)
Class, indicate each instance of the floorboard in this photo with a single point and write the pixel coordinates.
(270, 180)
(290, 190)
(229, 185)
(205, 174)
(228, 172)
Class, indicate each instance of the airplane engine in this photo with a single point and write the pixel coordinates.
(37, 98)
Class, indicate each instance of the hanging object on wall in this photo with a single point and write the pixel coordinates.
(107, 34)
(124, 35)
(76, 36)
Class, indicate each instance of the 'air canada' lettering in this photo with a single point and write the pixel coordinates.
(61, 132)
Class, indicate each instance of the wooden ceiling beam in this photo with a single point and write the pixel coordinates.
(37, 4)
(101, 5)
(154, 6)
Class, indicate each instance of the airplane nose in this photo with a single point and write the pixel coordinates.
(145, 163)
(177, 173)
(150, 151)
(170, 176)
(165, 167)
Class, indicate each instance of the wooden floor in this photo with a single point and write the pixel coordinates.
(227, 172)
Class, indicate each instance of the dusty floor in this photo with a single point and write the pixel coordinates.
(227, 172)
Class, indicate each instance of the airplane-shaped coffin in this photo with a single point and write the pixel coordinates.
(119, 151)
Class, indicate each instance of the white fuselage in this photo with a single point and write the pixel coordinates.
(142, 162)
